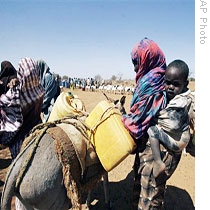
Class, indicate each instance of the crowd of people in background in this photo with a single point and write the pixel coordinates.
(91, 84)
(79, 83)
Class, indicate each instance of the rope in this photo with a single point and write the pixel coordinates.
(43, 127)
(101, 120)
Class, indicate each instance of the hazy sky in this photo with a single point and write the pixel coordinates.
(88, 38)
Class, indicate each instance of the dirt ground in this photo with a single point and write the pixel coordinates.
(180, 194)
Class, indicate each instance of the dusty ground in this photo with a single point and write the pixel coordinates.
(180, 194)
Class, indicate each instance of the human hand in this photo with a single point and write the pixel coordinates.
(13, 82)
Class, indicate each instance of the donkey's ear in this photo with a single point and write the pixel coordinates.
(116, 101)
(122, 100)
(110, 99)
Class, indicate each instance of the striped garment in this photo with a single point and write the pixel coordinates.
(31, 98)
(31, 88)
(148, 97)
(148, 192)
(11, 117)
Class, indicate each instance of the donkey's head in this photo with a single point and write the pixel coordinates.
(119, 103)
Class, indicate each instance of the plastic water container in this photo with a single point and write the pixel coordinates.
(109, 137)
(65, 104)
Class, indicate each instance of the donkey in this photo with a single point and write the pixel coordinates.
(56, 165)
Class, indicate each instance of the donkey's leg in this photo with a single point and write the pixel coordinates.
(88, 204)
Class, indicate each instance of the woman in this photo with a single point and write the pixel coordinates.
(10, 110)
(31, 95)
(8, 72)
(51, 87)
(148, 99)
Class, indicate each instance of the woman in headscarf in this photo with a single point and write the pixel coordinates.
(51, 87)
(148, 99)
(31, 98)
(8, 72)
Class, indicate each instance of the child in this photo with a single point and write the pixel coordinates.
(171, 126)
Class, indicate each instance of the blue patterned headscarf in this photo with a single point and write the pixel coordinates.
(148, 97)
(48, 82)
